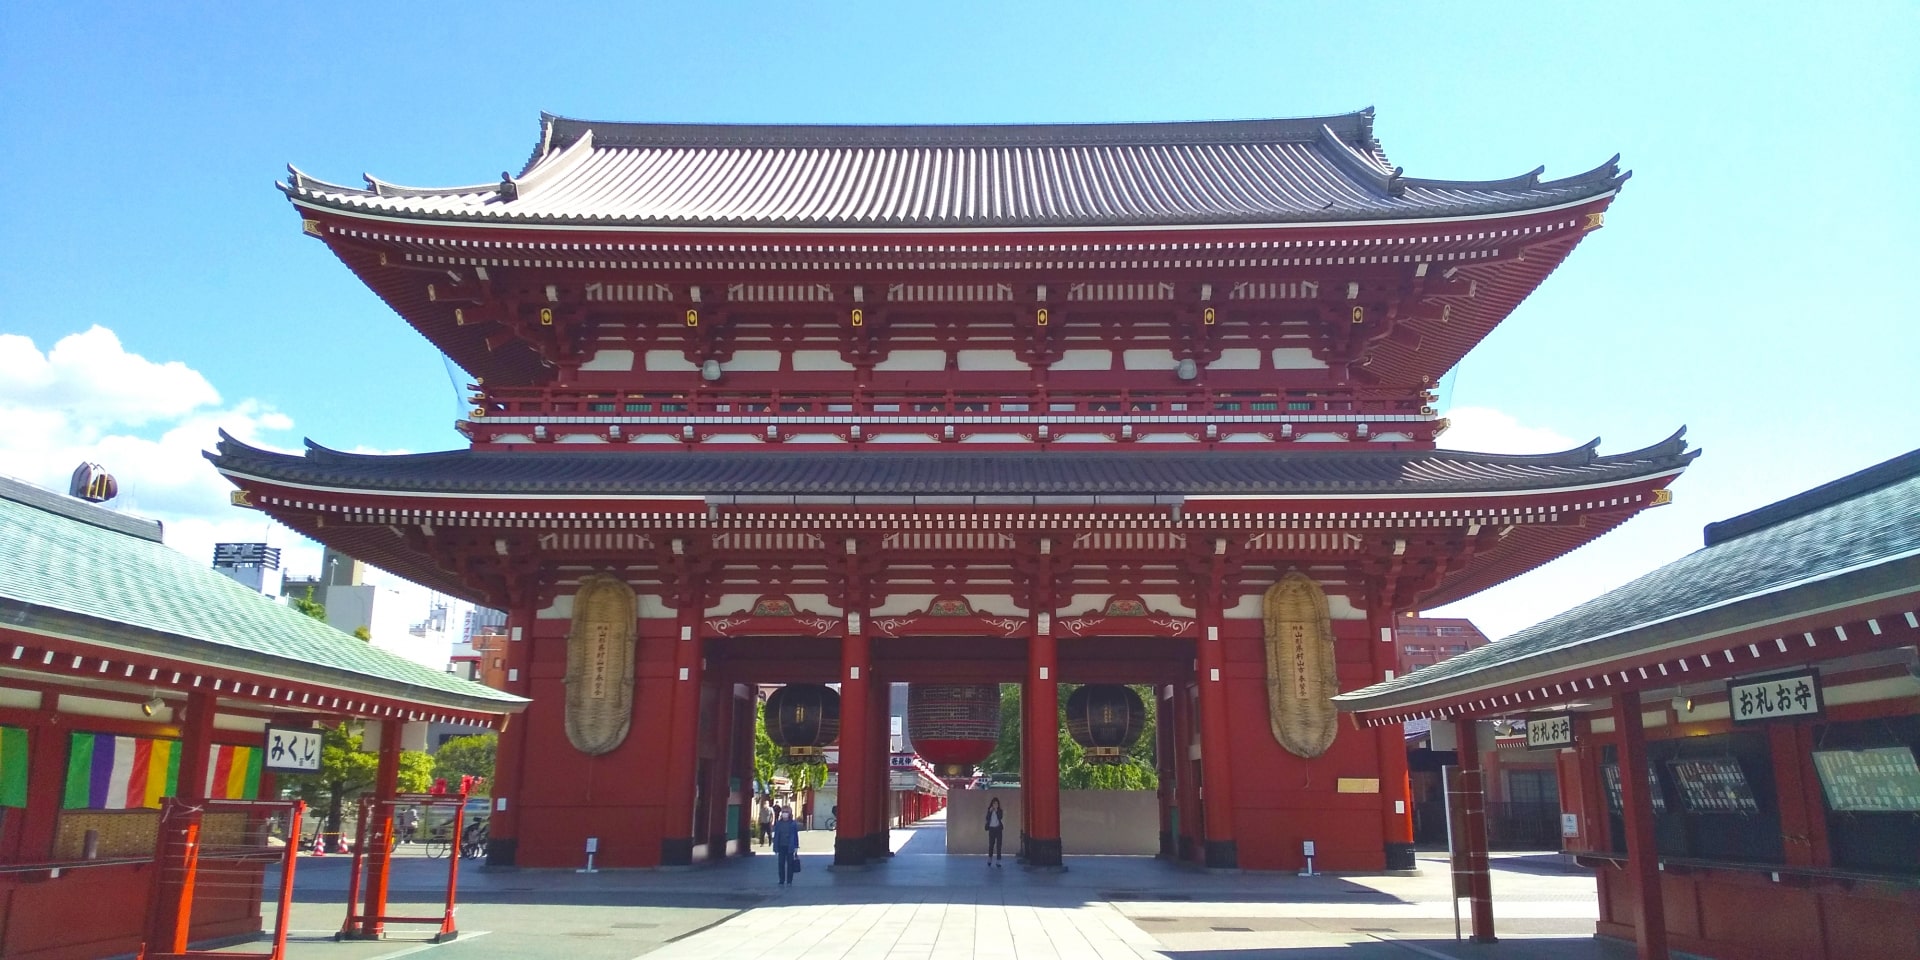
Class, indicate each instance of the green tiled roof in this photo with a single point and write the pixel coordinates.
(1842, 542)
(60, 556)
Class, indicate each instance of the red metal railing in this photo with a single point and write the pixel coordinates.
(374, 852)
(197, 863)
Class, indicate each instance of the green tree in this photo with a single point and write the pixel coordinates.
(309, 606)
(467, 757)
(767, 758)
(1138, 772)
(347, 773)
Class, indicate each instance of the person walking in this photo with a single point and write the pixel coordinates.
(766, 820)
(996, 828)
(786, 846)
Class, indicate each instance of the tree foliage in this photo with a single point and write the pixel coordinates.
(1137, 773)
(309, 606)
(467, 757)
(347, 773)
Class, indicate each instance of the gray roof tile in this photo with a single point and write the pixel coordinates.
(97, 570)
(1817, 539)
(1318, 169)
(679, 473)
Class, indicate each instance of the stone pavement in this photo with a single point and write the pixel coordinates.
(924, 905)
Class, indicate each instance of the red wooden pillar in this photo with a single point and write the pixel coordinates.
(713, 826)
(1472, 798)
(1043, 747)
(1190, 819)
(1636, 801)
(46, 780)
(1396, 792)
(880, 816)
(741, 696)
(856, 749)
(678, 828)
(379, 838)
(1216, 753)
(1165, 766)
(503, 826)
(173, 895)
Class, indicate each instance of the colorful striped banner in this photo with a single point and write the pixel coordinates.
(13, 767)
(233, 773)
(105, 772)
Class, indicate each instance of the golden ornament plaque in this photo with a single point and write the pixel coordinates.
(1302, 676)
(600, 649)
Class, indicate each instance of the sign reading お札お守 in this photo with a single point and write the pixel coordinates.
(1775, 698)
(1550, 732)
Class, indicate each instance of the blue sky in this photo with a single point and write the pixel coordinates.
(1752, 281)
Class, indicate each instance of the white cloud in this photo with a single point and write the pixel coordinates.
(92, 379)
(1486, 430)
(89, 400)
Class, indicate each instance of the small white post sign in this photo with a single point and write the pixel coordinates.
(1775, 698)
(1550, 732)
(293, 750)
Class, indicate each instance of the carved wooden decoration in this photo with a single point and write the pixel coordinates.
(600, 650)
(1301, 674)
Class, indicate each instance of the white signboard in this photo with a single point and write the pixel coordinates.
(901, 760)
(1569, 825)
(293, 750)
(1775, 698)
(1550, 732)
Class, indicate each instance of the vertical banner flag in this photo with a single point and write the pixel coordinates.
(233, 773)
(13, 767)
(105, 772)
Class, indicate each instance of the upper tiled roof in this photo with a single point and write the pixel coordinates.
(847, 473)
(1309, 170)
(59, 562)
(1811, 553)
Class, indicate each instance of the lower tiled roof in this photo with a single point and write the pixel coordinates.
(64, 568)
(1827, 552)
(1136, 472)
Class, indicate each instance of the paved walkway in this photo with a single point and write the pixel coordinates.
(924, 905)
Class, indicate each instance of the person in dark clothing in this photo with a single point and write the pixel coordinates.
(786, 845)
(996, 828)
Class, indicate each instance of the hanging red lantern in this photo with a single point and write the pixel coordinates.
(1105, 719)
(953, 727)
(803, 718)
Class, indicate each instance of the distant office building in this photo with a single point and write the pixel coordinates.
(1425, 641)
(484, 620)
(254, 565)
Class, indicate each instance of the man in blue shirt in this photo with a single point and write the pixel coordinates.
(786, 845)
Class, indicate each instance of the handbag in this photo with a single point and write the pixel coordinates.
(797, 862)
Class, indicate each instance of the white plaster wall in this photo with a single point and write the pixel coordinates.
(610, 360)
(1237, 358)
(1296, 358)
(755, 361)
(990, 360)
(668, 360)
(914, 360)
(1148, 359)
(1092, 822)
(1084, 360)
(817, 360)
(1338, 608)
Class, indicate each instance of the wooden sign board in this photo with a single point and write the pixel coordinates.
(1782, 697)
(1550, 732)
(293, 749)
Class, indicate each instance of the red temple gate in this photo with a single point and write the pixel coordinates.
(953, 405)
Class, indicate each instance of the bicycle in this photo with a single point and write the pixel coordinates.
(832, 822)
(473, 841)
(439, 843)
